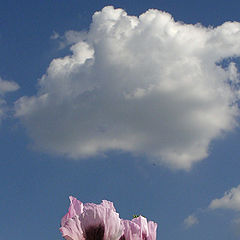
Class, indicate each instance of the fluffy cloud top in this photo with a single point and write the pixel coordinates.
(190, 221)
(230, 200)
(5, 87)
(145, 85)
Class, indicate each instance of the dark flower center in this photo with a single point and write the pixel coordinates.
(123, 237)
(95, 233)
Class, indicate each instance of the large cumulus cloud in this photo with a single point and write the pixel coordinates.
(145, 85)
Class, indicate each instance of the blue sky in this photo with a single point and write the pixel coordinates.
(139, 114)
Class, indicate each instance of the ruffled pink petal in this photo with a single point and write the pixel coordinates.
(139, 229)
(108, 204)
(131, 230)
(75, 209)
(77, 205)
(102, 215)
(113, 225)
(72, 230)
(152, 229)
(142, 223)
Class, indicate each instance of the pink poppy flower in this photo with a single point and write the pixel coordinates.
(139, 229)
(91, 221)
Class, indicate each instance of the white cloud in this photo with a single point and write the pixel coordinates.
(5, 87)
(69, 38)
(190, 221)
(230, 200)
(54, 36)
(145, 85)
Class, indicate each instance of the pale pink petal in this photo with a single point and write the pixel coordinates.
(131, 230)
(113, 226)
(91, 221)
(77, 205)
(75, 209)
(142, 223)
(72, 230)
(139, 229)
(108, 204)
(152, 229)
(102, 215)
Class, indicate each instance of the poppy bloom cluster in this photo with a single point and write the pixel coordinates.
(101, 222)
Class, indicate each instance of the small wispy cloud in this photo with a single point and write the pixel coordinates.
(230, 200)
(5, 87)
(236, 226)
(190, 221)
(54, 36)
